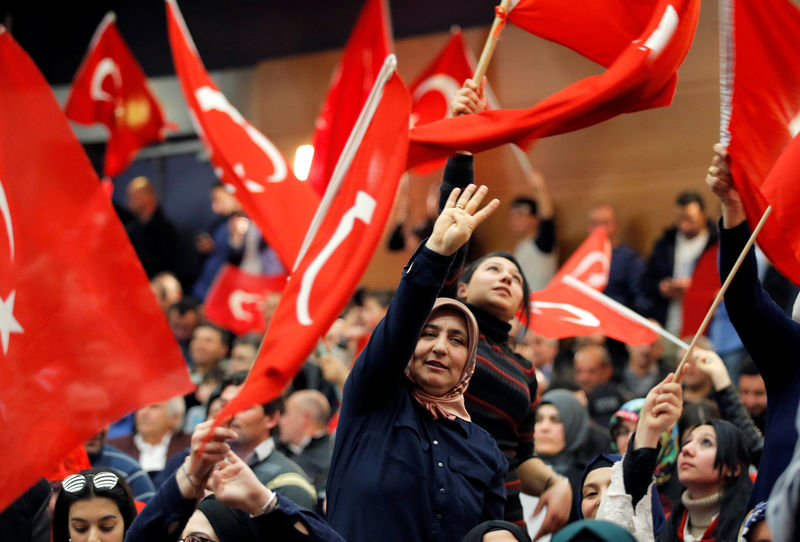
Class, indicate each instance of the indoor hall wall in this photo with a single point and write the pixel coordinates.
(638, 162)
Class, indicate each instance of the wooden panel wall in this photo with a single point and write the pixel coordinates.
(637, 162)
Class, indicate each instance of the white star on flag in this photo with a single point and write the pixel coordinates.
(8, 324)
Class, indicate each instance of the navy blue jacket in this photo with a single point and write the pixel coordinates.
(773, 341)
(396, 473)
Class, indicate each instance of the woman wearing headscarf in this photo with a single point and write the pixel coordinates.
(408, 465)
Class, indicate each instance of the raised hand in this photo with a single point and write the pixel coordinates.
(235, 485)
(662, 407)
(469, 99)
(459, 218)
(719, 180)
(711, 364)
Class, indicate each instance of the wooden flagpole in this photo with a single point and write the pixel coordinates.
(722, 291)
(501, 13)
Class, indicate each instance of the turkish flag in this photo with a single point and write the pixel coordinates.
(342, 245)
(642, 75)
(235, 300)
(369, 44)
(111, 88)
(764, 115)
(280, 205)
(561, 310)
(702, 290)
(435, 87)
(82, 339)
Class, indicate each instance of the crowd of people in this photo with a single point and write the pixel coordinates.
(433, 413)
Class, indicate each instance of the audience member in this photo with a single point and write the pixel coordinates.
(167, 288)
(103, 454)
(256, 446)
(304, 436)
(157, 436)
(183, 317)
(152, 235)
(644, 368)
(404, 433)
(497, 530)
(753, 393)
(208, 347)
(593, 372)
(672, 261)
(243, 352)
(213, 245)
(27, 519)
(94, 504)
(532, 224)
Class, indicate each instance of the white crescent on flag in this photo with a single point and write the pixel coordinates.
(595, 280)
(575, 315)
(239, 298)
(794, 125)
(210, 99)
(663, 33)
(8, 324)
(103, 69)
(442, 83)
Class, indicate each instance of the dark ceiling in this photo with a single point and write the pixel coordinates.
(228, 33)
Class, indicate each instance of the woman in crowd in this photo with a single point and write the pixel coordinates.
(713, 466)
(408, 465)
(95, 504)
(503, 392)
(241, 509)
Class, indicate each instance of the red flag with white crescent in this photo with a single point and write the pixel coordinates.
(642, 75)
(236, 299)
(762, 81)
(110, 88)
(243, 157)
(369, 43)
(435, 87)
(82, 339)
(337, 255)
(561, 310)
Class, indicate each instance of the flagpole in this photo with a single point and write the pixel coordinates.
(722, 290)
(600, 297)
(348, 153)
(501, 12)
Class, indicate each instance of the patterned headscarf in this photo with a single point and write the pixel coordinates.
(451, 404)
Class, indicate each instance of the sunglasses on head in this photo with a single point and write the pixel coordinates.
(101, 480)
(194, 538)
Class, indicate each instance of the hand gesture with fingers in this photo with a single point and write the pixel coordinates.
(459, 218)
(236, 485)
(662, 408)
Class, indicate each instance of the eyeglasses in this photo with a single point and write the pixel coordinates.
(101, 480)
(194, 538)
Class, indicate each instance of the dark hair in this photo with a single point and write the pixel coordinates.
(224, 334)
(749, 368)
(120, 494)
(185, 304)
(466, 276)
(697, 413)
(525, 202)
(689, 196)
(253, 339)
(732, 453)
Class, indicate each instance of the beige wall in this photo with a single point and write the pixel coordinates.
(638, 162)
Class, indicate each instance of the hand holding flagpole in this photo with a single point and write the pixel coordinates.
(501, 12)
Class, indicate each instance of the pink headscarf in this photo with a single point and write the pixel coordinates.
(451, 404)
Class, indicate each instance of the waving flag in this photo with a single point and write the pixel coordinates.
(642, 75)
(111, 88)
(280, 205)
(82, 339)
(435, 87)
(341, 242)
(571, 305)
(760, 115)
(235, 300)
(369, 44)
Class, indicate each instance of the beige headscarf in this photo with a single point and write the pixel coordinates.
(451, 404)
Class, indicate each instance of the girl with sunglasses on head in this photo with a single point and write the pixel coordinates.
(241, 508)
(94, 505)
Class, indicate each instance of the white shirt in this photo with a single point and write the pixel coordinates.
(152, 457)
(687, 251)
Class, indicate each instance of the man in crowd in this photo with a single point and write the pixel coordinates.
(674, 256)
(157, 436)
(753, 393)
(208, 347)
(532, 225)
(304, 435)
(257, 447)
(593, 374)
(152, 235)
(103, 454)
